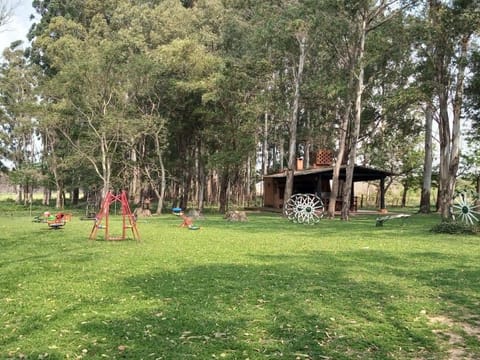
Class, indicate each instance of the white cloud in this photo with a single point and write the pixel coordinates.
(18, 24)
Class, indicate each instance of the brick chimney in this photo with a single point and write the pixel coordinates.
(324, 158)
(300, 163)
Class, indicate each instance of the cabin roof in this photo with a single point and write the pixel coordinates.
(360, 173)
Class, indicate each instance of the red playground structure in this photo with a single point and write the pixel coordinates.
(102, 218)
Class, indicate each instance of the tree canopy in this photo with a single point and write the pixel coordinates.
(191, 102)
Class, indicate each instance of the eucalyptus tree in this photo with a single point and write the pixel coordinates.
(112, 67)
(189, 71)
(91, 84)
(289, 52)
(421, 48)
(364, 18)
(396, 147)
(84, 91)
(58, 42)
(358, 56)
(472, 95)
(334, 64)
(19, 136)
(472, 102)
(231, 107)
(184, 41)
(451, 28)
(391, 121)
(426, 192)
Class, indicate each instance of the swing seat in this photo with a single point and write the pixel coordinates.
(56, 225)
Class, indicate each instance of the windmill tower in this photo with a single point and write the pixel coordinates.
(102, 218)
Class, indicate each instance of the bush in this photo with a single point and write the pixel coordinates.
(455, 227)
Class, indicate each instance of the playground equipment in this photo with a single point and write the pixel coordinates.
(465, 207)
(304, 208)
(42, 218)
(187, 222)
(382, 219)
(102, 218)
(90, 210)
(57, 221)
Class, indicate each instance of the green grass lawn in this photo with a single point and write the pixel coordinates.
(263, 289)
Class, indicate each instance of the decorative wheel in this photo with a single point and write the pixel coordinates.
(465, 208)
(304, 209)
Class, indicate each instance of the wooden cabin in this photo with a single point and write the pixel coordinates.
(317, 180)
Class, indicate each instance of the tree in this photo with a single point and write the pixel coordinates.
(288, 51)
(360, 20)
(451, 32)
(427, 162)
(297, 71)
(169, 98)
(19, 135)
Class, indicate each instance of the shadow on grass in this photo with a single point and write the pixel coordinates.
(363, 304)
(358, 226)
(281, 310)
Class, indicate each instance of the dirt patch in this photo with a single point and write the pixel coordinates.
(451, 334)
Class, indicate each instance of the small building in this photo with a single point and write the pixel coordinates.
(317, 180)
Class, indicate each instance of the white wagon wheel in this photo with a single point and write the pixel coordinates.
(465, 207)
(304, 208)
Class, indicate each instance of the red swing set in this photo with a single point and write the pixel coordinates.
(102, 218)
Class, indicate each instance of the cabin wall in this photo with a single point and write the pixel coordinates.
(274, 189)
(268, 192)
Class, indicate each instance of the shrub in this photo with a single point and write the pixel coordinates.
(455, 227)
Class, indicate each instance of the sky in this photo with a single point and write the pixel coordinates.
(19, 23)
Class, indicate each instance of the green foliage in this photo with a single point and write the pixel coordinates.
(19, 140)
(473, 95)
(203, 76)
(455, 227)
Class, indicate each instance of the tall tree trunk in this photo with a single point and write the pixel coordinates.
(292, 148)
(46, 196)
(428, 162)
(347, 189)
(306, 158)
(281, 154)
(223, 195)
(163, 175)
(27, 194)
(135, 193)
(106, 166)
(339, 158)
(53, 165)
(187, 187)
(450, 142)
(248, 181)
(75, 196)
(59, 202)
(19, 192)
(404, 196)
(308, 142)
(265, 145)
(201, 187)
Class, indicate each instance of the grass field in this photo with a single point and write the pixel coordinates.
(263, 289)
